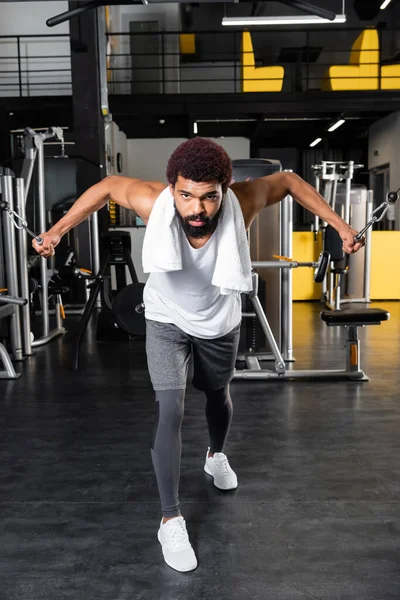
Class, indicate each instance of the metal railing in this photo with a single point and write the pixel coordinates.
(35, 65)
(154, 63)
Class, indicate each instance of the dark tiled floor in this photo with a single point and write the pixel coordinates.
(316, 514)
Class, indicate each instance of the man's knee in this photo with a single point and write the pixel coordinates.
(171, 404)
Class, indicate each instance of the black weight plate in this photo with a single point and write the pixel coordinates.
(124, 312)
(323, 264)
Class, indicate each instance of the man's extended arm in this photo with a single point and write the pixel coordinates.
(279, 185)
(133, 194)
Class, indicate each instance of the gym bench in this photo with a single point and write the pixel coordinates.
(350, 318)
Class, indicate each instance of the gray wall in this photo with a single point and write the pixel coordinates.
(287, 156)
(148, 158)
(384, 149)
(168, 17)
(218, 77)
(29, 18)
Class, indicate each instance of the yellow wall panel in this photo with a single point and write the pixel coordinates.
(187, 43)
(385, 265)
(390, 77)
(305, 249)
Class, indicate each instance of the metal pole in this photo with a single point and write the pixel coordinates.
(12, 300)
(308, 59)
(331, 287)
(337, 293)
(289, 275)
(162, 62)
(11, 268)
(42, 226)
(327, 195)
(349, 177)
(279, 362)
(23, 268)
(368, 246)
(316, 218)
(102, 53)
(57, 302)
(30, 152)
(95, 250)
(95, 243)
(334, 193)
(9, 372)
(19, 65)
(286, 279)
(235, 62)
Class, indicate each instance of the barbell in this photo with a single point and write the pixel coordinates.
(320, 266)
(11, 299)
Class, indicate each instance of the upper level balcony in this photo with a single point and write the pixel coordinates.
(210, 62)
(218, 74)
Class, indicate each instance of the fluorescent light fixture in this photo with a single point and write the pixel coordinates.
(336, 125)
(295, 20)
(315, 142)
(385, 4)
(195, 128)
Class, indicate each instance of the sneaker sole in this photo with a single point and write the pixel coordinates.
(225, 489)
(171, 566)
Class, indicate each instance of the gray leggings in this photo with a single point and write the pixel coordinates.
(167, 444)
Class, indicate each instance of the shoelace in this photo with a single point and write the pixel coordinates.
(222, 464)
(178, 533)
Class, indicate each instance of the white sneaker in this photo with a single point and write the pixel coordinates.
(218, 467)
(177, 550)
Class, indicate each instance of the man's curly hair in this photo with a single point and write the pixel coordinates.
(200, 159)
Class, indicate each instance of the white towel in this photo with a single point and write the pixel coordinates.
(162, 244)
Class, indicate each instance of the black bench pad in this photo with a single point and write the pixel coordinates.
(355, 316)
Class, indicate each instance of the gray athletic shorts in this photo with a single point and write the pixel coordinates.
(169, 350)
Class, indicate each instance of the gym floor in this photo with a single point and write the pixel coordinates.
(316, 514)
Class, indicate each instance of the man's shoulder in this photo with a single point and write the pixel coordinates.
(249, 193)
(147, 190)
(251, 196)
(145, 193)
(155, 189)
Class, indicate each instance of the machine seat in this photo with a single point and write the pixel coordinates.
(355, 317)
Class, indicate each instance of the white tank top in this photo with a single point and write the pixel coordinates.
(187, 297)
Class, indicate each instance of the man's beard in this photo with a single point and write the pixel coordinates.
(201, 231)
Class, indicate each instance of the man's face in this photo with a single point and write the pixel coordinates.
(198, 205)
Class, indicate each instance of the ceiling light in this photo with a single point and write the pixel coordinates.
(195, 128)
(336, 125)
(385, 4)
(315, 142)
(294, 20)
